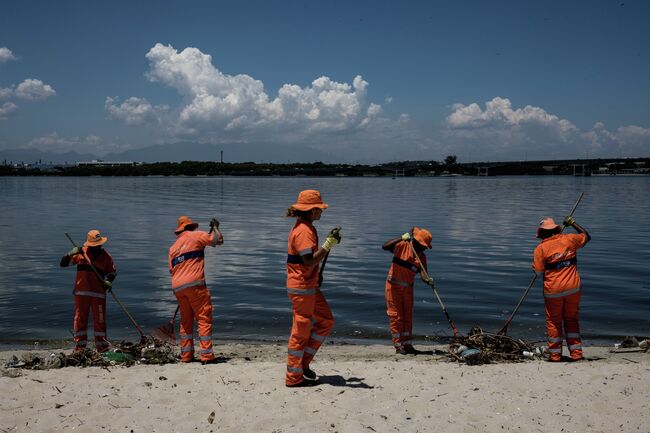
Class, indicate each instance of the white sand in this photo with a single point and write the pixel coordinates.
(363, 389)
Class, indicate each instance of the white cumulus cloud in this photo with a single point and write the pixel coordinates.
(501, 132)
(6, 109)
(499, 113)
(133, 111)
(34, 90)
(6, 55)
(6, 93)
(218, 105)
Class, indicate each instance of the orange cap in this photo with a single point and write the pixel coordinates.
(422, 236)
(94, 239)
(309, 199)
(547, 223)
(184, 222)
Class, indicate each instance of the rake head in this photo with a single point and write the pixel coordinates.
(165, 333)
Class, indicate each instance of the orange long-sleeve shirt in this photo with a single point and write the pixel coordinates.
(556, 257)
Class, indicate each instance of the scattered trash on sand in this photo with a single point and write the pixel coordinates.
(150, 351)
(480, 347)
(632, 344)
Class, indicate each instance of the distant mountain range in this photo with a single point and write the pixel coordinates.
(177, 152)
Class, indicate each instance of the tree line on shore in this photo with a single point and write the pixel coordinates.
(449, 167)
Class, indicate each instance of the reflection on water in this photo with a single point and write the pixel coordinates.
(483, 231)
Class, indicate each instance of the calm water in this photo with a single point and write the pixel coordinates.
(483, 230)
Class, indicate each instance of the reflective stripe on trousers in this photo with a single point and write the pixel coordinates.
(197, 283)
(91, 294)
(302, 292)
(562, 294)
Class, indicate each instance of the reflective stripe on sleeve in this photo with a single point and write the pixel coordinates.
(303, 292)
(297, 353)
(562, 294)
(190, 284)
(305, 251)
(91, 294)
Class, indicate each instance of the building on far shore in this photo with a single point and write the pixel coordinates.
(100, 163)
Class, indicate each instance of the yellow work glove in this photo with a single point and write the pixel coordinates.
(75, 251)
(406, 236)
(569, 221)
(333, 238)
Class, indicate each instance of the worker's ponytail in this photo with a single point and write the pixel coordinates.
(292, 212)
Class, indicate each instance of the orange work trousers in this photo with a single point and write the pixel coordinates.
(399, 307)
(195, 303)
(563, 311)
(82, 306)
(312, 323)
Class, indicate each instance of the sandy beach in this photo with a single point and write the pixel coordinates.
(362, 389)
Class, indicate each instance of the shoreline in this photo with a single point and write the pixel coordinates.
(363, 388)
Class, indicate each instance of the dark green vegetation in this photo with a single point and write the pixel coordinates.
(448, 167)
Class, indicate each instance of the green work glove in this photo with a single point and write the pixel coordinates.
(75, 251)
(406, 236)
(108, 286)
(333, 238)
(214, 223)
(569, 221)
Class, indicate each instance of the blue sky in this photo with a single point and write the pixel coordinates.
(358, 80)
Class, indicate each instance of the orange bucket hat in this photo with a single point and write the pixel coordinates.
(422, 236)
(94, 239)
(309, 199)
(547, 223)
(184, 222)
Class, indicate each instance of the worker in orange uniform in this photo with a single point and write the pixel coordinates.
(312, 318)
(556, 259)
(89, 291)
(186, 264)
(399, 285)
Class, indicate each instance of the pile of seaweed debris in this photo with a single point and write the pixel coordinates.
(480, 347)
(147, 351)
